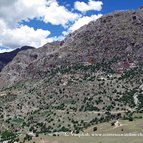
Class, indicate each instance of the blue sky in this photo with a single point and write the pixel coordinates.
(36, 22)
(108, 7)
(111, 5)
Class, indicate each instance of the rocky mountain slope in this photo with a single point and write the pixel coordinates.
(115, 40)
(93, 76)
(7, 57)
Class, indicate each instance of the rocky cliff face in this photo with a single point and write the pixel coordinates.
(114, 41)
(24, 63)
(7, 57)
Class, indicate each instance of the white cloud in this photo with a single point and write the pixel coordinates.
(12, 12)
(55, 38)
(5, 50)
(83, 21)
(24, 35)
(58, 15)
(91, 5)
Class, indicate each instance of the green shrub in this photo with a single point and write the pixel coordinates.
(95, 129)
(6, 135)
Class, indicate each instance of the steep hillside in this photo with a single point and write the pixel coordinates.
(114, 41)
(17, 69)
(95, 75)
(7, 57)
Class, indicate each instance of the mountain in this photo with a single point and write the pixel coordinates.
(93, 76)
(115, 40)
(18, 68)
(7, 57)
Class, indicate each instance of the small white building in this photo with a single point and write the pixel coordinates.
(31, 134)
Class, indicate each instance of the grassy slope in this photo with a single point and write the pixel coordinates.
(105, 128)
(90, 140)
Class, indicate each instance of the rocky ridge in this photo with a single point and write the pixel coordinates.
(7, 57)
(115, 40)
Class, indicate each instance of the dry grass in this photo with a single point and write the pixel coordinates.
(105, 128)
